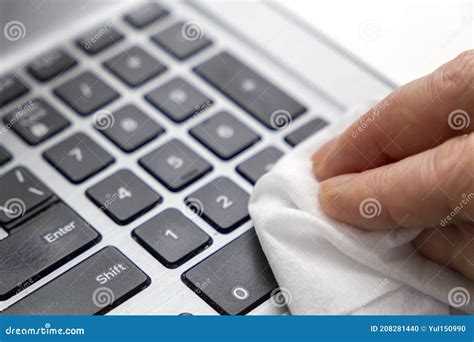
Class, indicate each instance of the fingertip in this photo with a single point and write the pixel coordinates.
(326, 198)
(319, 159)
(350, 199)
(331, 194)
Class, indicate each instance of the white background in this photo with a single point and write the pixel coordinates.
(403, 39)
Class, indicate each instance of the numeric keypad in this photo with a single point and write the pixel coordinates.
(222, 203)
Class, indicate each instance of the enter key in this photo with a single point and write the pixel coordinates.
(41, 245)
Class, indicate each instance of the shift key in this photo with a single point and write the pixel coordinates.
(93, 287)
(40, 246)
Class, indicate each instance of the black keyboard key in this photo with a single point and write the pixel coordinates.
(99, 39)
(51, 64)
(11, 87)
(131, 128)
(40, 246)
(178, 100)
(300, 134)
(269, 104)
(237, 278)
(5, 156)
(255, 167)
(182, 39)
(171, 238)
(175, 165)
(36, 121)
(224, 135)
(123, 196)
(145, 15)
(221, 203)
(134, 66)
(21, 192)
(86, 93)
(93, 287)
(78, 157)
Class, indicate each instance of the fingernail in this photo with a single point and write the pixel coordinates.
(319, 157)
(330, 192)
(337, 181)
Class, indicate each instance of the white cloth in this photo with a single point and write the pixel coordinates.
(326, 267)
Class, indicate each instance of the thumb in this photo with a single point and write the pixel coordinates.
(430, 189)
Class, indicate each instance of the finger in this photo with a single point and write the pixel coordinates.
(416, 117)
(420, 191)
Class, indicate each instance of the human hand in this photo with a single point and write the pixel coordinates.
(409, 162)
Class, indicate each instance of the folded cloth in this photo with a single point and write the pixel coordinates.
(330, 268)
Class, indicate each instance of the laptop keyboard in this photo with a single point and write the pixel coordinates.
(95, 286)
(51, 64)
(235, 279)
(95, 41)
(134, 66)
(5, 156)
(222, 203)
(78, 157)
(175, 165)
(39, 122)
(123, 196)
(11, 87)
(21, 192)
(172, 247)
(180, 41)
(248, 89)
(255, 167)
(41, 245)
(224, 135)
(44, 233)
(178, 99)
(86, 93)
(134, 128)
